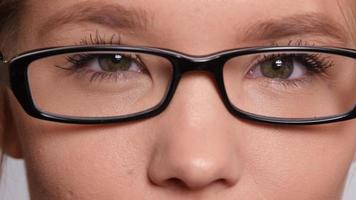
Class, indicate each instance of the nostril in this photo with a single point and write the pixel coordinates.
(191, 185)
(193, 171)
(176, 182)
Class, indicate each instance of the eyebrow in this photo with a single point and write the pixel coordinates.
(301, 24)
(109, 15)
(118, 16)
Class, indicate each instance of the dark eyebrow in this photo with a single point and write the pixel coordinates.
(110, 15)
(303, 24)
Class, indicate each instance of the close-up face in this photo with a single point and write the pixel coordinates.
(198, 145)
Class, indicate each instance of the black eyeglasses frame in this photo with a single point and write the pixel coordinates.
(181, 63)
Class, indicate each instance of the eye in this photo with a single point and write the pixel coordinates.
(279, 67)
(115, 63)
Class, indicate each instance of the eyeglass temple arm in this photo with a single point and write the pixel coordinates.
(4, 71)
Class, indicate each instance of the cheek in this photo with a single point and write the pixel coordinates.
(65, 161)
(310, 162)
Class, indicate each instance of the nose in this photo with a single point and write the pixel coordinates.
(196, 146)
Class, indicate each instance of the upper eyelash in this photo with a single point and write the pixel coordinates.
(100, 76)
(317, 60)
(98, 39)
(84, 58)
(115, 39)
(298, 43)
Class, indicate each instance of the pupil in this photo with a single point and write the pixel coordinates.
(116, 59)
(278, 65)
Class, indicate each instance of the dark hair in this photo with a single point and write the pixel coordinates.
(9, 17)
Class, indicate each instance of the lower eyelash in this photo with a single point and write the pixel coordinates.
(95, 76)
(284, 85)
(101, 76)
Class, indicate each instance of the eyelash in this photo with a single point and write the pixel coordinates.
(315, 64)
(98, 39)
(78, 61)
(78, 66)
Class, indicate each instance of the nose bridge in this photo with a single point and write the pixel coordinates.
(196, 149)
(195, 69)
(197, 94)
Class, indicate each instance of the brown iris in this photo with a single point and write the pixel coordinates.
(114, 63)
(278, 68)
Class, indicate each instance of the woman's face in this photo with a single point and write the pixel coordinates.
(195, 149)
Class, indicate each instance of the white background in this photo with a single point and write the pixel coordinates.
(13, 186)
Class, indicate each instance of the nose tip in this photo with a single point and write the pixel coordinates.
(194, 174)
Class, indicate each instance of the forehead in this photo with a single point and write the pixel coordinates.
(208, 8)
(181, 20)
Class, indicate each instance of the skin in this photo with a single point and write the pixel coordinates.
(186, 152)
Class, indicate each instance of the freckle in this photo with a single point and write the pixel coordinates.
(130, 172)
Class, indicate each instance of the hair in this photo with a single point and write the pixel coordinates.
(9, 20)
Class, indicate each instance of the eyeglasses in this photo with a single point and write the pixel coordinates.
(106, 84)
